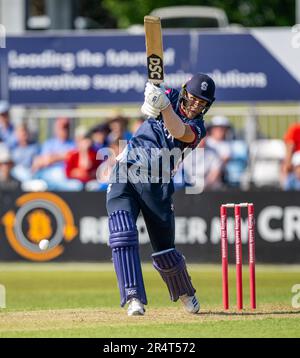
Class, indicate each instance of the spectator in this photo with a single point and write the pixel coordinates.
(292, 142)
(23, 154)
(217, 137)
(203, 170)
(293, 179)
(7, 182)
(118, 129)
(104, 172)
(6, 128)
(212, 168)
(81, 163)
(99, 136)
(50, 164)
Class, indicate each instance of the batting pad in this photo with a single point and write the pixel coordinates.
(123, 241)
(171, 266)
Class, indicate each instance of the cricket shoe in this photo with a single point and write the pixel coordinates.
(135, 307)
(190, 303)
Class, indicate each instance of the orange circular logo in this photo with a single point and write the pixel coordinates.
(39, 216)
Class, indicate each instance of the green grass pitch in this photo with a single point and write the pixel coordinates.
(82, 300)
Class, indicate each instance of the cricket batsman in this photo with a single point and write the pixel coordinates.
(175, 120)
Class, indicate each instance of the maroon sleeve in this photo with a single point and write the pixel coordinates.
(195, 141)
(198, 136)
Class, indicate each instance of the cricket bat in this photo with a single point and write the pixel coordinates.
(154, 49)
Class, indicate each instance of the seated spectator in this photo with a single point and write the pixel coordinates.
(217, 137)
(212, 168)
(23, 154)
(292, 141)
(118, 129)
(81, 163)
(293, 179)
(6, 128)
(7, 182)
(50, 164)
(114, 150)
(99, 136)
(201, 171)
(104, 171)
(235, 169)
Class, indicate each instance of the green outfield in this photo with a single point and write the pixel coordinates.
(81, 300)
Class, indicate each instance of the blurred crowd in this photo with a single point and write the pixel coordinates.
(69, 159)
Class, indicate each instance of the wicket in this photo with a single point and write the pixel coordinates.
(238, 253)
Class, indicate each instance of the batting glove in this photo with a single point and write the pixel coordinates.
(156, 97)
(150, 111)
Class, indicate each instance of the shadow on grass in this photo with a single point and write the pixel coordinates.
(257, 313)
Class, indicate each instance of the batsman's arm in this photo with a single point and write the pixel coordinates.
(176, 127)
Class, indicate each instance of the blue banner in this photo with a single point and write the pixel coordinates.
(94, 69)
(244, 70)
(100, 68)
